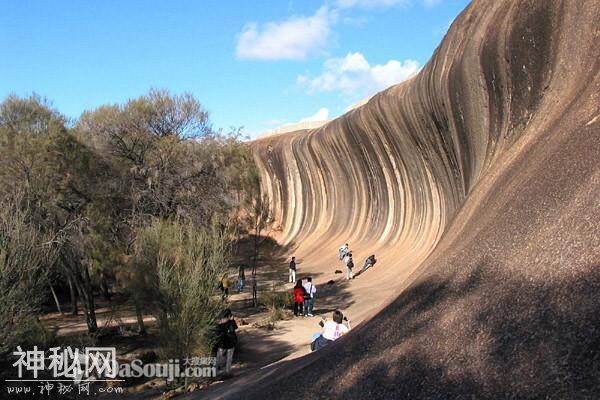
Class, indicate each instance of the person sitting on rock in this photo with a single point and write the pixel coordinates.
(332, 330)
(369, 262)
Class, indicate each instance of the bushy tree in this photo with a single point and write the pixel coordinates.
(183, 264)
(170, 160)
(23, 276)
(59, 178)
(94, 187)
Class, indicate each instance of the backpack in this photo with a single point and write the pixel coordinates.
(228, 337)
(231, 335)
(350, 264)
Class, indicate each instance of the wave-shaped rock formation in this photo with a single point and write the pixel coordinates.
(481, 175)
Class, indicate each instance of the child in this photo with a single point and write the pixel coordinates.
(224, 287)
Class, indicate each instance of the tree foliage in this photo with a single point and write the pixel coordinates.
(22, 276)
(95, 187)
(184, 263)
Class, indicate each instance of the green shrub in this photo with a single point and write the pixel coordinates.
(185, 263)
(276, 303)
(277, 299)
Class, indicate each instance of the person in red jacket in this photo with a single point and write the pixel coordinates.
(299, 293)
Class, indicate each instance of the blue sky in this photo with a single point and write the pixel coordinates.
(256, 64)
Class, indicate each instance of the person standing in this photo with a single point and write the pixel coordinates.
(299, 293)
(343, 251)
(347, 257)
(349, 265)
(292, 273)
(241, 278)
(224, 286)
(226, 341)
(309, 298)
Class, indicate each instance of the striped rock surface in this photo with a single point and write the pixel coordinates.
(477, 183)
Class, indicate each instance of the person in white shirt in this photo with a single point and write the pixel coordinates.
(343, 251)
(332, 330)
(309, 300)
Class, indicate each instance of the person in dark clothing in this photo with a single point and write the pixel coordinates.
(299, 293)
(293, 270)
(226, 341)
(369, 262)
(349, 265)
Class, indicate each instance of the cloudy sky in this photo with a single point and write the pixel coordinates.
(256, 64)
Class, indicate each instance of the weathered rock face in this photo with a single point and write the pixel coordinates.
(394, 172)
(482, 172)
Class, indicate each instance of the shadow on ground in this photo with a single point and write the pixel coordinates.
(486, 336)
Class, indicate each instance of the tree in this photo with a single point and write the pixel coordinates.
(183, 264)
(23, 275)
(58, 177)
(161, 144)
(258, 217)
(92, 187)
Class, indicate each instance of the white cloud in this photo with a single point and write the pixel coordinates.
(293, 39)
(321, 115)
(354, 77)
(352, 62)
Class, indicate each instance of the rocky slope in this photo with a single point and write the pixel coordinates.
(477, 183)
